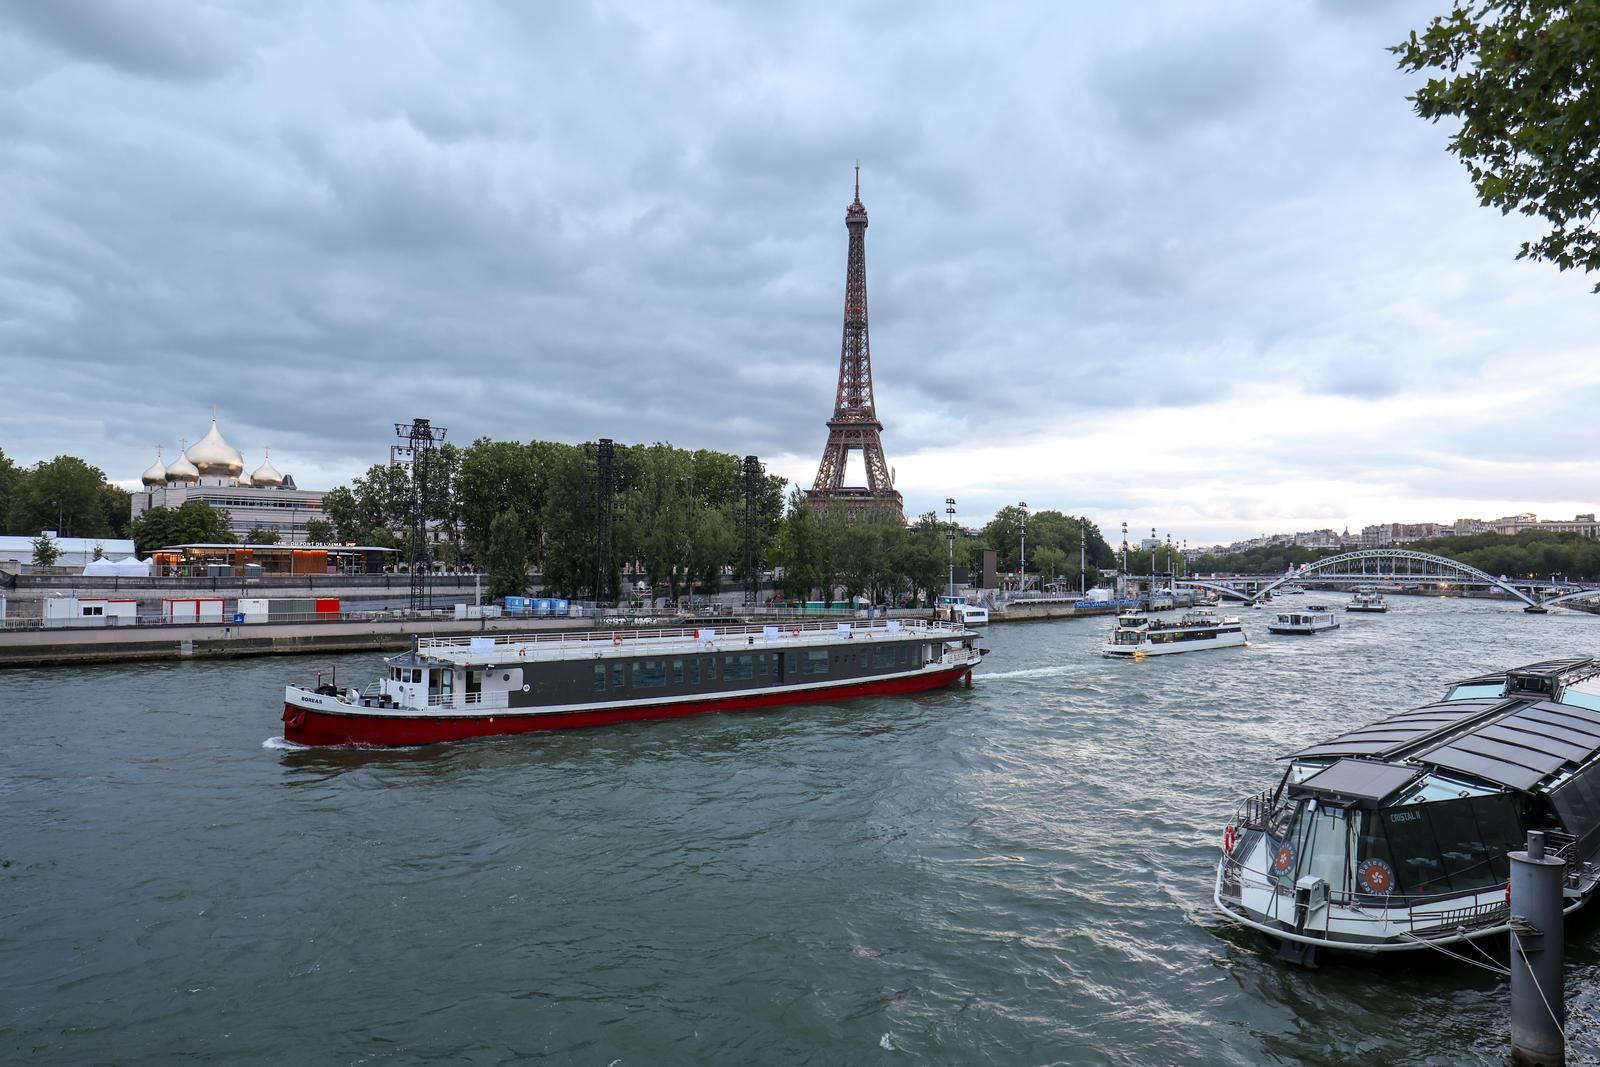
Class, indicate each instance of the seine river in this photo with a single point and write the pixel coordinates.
(1018, 873)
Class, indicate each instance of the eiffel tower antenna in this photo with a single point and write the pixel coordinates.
(855, 425)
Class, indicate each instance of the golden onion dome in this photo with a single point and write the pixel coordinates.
(266, 474)
(181, 470)
(156, 473)
(215, 458)
(243, 481)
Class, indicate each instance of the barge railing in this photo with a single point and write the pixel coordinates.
(587, 638)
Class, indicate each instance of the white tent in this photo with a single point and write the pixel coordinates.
(127, 567)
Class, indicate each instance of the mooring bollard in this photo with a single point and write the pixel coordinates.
(1538, 1009)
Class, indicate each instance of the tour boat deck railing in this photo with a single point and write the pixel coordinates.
(597, 640)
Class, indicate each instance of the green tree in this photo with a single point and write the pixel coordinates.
(45, 552)
(319, 531)
(258, 536)
(117, 506)
(10, 477)
(508, 555)
(714, 540)
(924, 557)
(658, 526)
(341, 508)
(194, 523)
(66, 495)
(571, 550)
(494, 476)
(1519, 75)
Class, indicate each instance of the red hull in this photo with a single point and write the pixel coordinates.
(305, 726)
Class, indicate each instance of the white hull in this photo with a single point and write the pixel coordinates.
(1171, 648)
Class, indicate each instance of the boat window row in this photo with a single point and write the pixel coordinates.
(1577, 802)
(1417, 850)
(744, 667)
(405, 674)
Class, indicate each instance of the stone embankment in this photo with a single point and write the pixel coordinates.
(179, 641)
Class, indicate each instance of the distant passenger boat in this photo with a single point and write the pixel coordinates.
(961, 610)
(1367, 600)
(1314, 619)
(1393, 837)
(446, 689)
(1136, 636)
(1291, 589)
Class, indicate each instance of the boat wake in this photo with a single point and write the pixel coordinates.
(282, 744)
(1029, 672)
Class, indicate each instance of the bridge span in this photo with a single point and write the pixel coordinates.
(1375, 565)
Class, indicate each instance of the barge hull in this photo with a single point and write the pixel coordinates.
(307, 726)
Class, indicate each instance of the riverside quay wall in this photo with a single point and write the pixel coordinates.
(178, 641)
(25, 594)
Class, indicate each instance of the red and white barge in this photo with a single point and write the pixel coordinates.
(449, 689)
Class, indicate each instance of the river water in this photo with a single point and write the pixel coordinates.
(1016, 873)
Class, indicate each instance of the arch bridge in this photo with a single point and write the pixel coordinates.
(1406, 565)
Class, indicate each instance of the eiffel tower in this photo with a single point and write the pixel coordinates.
(855, 425)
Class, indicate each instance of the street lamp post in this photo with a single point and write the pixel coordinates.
(1022, 559)
(950, 514)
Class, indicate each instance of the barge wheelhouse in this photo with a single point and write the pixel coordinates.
(447, 689)
(1394, 836)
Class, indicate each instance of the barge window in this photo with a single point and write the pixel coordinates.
(599, 677)
(738, 668)
(711, 668)
(1578, 802)
(677, 672)
(882, 657)
(817, 662)
(618, 676)
(794, 663)
(694, 672)
(649, 673)
(761, 663)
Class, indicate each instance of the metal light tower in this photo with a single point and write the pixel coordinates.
(1083, 559)
(605, 495)
(1022, 558)
(950, 522)
(1153, 548)
(1122, 567)
(420, 437)
(752, 522)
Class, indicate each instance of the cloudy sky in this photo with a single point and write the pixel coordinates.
(1195, 267)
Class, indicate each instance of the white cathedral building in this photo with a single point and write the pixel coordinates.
(212, 470)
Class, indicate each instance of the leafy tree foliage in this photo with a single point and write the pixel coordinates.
(508, 555)
(45, 552)
(1269, 559)
(1520, 75)
(319, 531)
(10, 477)
(195, 522)
(258, 536)
(64, 494)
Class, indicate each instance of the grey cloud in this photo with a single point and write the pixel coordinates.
(153, 38)
(574, 221)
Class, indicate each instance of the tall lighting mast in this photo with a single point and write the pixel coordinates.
(950, 516)
(1022, 559)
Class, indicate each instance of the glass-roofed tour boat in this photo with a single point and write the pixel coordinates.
(447, 689)
(1394, 836)
(1137, 636)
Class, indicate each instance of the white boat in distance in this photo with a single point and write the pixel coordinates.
(961, 610)
(1291, 589)
(1200, 628)
(1367, 600)
(1314, 618)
